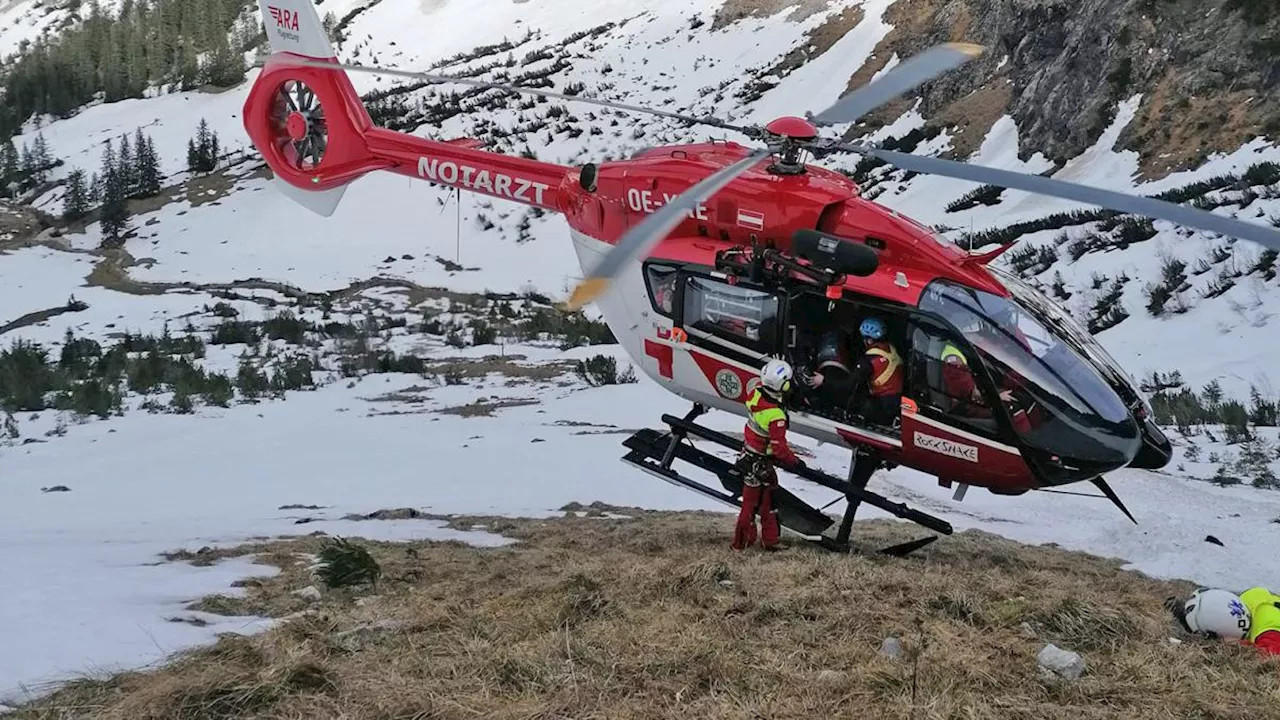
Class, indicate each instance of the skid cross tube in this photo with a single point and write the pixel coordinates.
(678, 435)
(935, 524)
(859, 476)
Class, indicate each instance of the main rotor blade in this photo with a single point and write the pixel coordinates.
(908, 75)
(1135, 204)
(650, 231)
(433, 78)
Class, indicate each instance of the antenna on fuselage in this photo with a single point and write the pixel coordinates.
(457, 225)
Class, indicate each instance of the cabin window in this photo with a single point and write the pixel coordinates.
(661, 281)
(944, 386)
(742, 316)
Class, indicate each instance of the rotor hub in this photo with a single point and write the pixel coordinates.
(795, 128)
(300, 132)
(296, 125)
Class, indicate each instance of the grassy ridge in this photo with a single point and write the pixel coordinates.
(653, 616)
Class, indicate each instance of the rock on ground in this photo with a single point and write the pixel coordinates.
(1060, 663)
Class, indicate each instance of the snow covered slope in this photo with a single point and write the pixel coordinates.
(505, 434)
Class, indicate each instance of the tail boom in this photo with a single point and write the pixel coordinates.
(315, 134)
(508, 177)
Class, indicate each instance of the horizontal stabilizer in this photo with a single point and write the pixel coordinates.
(320, 202)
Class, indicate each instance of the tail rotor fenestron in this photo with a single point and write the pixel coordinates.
(298, 123)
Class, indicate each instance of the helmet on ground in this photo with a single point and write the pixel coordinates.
(872, 328)
(1217, 613)
(776, 377)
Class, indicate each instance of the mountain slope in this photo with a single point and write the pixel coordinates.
(496, 377)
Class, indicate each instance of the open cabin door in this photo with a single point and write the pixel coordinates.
(718, 313)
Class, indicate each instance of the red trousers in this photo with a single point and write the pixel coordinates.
(757, 499)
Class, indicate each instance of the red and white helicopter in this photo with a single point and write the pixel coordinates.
(707, 259)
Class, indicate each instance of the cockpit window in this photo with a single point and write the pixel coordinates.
(1056, 398)
(1052, 314)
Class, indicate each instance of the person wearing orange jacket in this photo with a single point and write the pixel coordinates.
(881, 369)
(764, 443)
(1252, 617)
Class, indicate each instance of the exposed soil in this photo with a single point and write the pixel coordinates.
(819, 41)
(734, 10)
(969, 117)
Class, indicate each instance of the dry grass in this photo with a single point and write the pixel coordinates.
(654, 616)
(508, 366)
(486, 408)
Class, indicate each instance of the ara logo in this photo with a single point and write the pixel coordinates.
(286, 22)
(485, 181)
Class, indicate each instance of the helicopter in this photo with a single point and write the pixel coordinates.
(708, 259)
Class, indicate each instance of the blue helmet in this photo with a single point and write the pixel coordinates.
(872, 328)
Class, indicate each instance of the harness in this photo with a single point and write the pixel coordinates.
(759, 419)
(893, 361)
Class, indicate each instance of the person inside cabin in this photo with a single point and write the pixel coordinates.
(959, 384)
(881, 374)
(664, 293)
(967, 400)
(831, 380)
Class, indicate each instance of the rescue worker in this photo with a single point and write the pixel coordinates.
(1252, 617)
(882, 372)
(832, 379)
(962, 387)
(664, 292)
(764, 442)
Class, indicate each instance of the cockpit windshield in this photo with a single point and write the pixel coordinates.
(1056, 398)
(1053, 315)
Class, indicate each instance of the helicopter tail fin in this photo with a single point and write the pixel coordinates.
(294, 26)
(308, 122)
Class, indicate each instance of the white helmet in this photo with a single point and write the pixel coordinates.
(1217, 612)
(776, 377)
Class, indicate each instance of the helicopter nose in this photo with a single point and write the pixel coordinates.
(1156, 451)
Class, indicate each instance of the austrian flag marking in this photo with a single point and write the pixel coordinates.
(751, 219)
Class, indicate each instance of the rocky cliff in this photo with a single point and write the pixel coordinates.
(1207, 71)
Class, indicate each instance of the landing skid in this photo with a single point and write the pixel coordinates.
(654, 452)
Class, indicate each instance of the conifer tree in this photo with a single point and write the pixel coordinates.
(212, 150)
(41, 158)
(148, 174)
(27, 167)
(125, 167)
(114, 215)
(10, 165)
(202, 150)
(76, 203)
